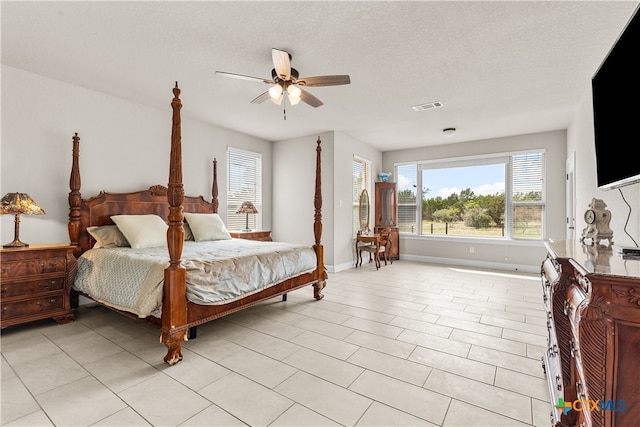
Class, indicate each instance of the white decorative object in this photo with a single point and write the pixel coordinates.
(597, 218)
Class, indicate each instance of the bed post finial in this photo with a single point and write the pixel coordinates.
(174, 302)
(214, 186)
(75, 198)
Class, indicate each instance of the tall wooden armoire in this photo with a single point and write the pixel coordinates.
(386, 214)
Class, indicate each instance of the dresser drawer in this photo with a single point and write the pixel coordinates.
(33, 267)
(31, 287)
(32, 306)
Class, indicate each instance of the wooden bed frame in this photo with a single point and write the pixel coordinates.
(178, 314)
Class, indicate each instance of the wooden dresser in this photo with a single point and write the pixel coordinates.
(592, 296)
(36, 281)
(260, 235)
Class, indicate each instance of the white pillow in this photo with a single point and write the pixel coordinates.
(142, 231)
(207, 227)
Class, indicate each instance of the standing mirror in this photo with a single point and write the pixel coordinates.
(364, 212)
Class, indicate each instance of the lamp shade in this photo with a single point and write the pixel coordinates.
(247, 208)
(18, 204)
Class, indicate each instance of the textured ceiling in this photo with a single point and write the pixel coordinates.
(499, 68)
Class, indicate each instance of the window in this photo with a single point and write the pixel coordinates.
(497, 196)
(244, 183)
(361, 172)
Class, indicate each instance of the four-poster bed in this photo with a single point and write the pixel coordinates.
(179, 314)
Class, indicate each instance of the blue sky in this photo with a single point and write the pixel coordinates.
(483, 180)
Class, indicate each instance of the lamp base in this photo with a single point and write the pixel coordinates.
(16, 244)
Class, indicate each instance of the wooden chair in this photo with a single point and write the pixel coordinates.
(382, 249)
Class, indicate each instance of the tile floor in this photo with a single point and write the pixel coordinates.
(412, 344)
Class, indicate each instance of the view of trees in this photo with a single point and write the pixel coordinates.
(477, 211)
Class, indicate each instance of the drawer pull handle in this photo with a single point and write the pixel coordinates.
(572, 348)
(5, 290)
(5, 270)
(558, 382)
(45, 285)
(4, 308)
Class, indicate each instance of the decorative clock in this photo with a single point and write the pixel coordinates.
(597, 217)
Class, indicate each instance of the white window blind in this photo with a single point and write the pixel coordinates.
(244, 183)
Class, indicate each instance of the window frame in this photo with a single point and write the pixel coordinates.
(508, 159)
(365, 185)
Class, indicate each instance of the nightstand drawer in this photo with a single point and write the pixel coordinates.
(31, 287)
(33, 267)
(32, 307)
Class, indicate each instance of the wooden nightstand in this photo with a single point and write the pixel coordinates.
(263, 236)
(36, 281)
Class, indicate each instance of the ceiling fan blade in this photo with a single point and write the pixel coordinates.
(261, 98)
(281, 63)
(309, 99)
(325, 80)
(243, 77)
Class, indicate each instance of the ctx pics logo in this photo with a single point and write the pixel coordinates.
(590, 405)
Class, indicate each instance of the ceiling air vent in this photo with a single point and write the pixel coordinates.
(427, 106)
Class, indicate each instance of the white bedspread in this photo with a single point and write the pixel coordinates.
(217, 272)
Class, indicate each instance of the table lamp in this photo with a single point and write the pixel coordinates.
(247, 208)
(18, 203)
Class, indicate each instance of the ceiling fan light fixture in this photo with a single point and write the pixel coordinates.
(275, 92)
(278, 100)
(294, 91)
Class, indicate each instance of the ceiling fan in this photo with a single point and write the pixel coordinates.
(284, 78)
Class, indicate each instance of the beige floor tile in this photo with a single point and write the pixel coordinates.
(195, 371)
(435, 342)
(213, 347)
(31, 348)
(478, 371)
(326, 367)
(80, 403)
(88, 347)
(535, 387)
(330, 346)
(496, 343)
(35, 419)
(326, 328)
(212, 416)
(161, 400)
(373, 327)
(247, 400)
(384, 416)
(299, 416)
(49, 373)
(271, 346)
(6, 371)
(506, 360)
(336, 403)
(466, 325)
(491, 398)
(382, 344)
(400, 395)
(524, 337)
(461, 414)
(419, 325)
(404, 370)
(319, 312)
(257, 367)
(17, 402)
(125, 418)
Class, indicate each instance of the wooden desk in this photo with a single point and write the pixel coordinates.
(368, 239)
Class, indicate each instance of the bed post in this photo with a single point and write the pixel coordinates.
(75, 198)
(317, 227)
(214, 186)
(174, 302)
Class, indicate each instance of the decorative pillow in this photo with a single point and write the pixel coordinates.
(142, 231)
(188, 234)
(207, 227)
(107, 236)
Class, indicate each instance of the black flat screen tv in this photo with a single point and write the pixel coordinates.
(616, 110)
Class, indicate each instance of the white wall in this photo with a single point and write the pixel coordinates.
(124, 147)
(494, 253)
(581, 140)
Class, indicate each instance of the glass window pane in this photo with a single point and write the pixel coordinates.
(464, 201)
(407, 208)
(527, 222)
